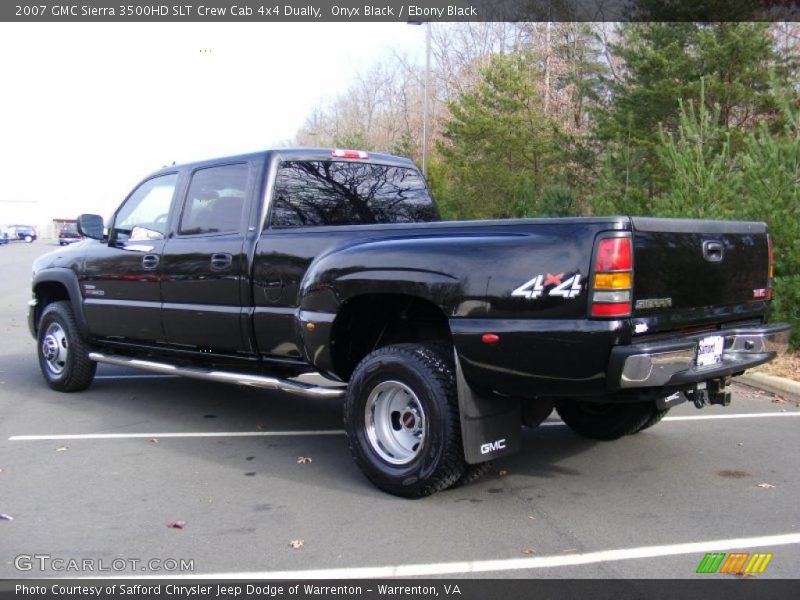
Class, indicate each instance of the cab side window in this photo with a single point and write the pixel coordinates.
(309, 193)
(215, 201)
(144, 215)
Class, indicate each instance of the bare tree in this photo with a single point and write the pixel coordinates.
(382, 109)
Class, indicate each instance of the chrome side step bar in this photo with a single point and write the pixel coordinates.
(259, 381)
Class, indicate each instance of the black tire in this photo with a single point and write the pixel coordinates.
(63, 355)
(604, 420)
(473, 473)
(402, 422)
(654, 418)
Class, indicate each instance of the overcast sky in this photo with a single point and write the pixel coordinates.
(87, 110)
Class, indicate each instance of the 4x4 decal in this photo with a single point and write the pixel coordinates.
(549, 285)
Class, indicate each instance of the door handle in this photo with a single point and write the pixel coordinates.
(150, 261)
(221, 261)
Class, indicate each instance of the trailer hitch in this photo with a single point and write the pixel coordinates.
(716, 391)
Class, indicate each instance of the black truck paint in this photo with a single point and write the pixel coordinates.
(300, 267)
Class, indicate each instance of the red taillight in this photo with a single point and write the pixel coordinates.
(339, 153)
(616, 309)
(612, 283)
(613, 254)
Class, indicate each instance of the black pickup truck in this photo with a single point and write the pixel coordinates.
(445, 337)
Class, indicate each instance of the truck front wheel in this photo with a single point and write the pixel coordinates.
(63, 355)
(605, 420)
(402, 422)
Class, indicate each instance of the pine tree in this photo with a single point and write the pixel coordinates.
(500, 147)
(666, 63)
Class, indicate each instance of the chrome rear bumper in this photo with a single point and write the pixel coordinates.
(673, 361)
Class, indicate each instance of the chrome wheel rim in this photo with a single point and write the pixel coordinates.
(55, 349)
(395, 422)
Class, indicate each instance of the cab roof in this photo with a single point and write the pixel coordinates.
(295, 154)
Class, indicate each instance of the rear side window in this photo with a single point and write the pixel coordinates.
(215, 201)
(311, 193)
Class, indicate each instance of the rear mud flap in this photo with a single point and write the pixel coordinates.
(490, 425)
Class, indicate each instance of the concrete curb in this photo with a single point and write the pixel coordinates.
(776, 385)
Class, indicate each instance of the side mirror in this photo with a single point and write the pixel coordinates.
(91, 226)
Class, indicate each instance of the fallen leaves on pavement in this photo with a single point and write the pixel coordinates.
(528, 551)
(176, 524)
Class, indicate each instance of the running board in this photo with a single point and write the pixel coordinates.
(259, 381)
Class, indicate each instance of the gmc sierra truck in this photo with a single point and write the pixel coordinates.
(445, 337)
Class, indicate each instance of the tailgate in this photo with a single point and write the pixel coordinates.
(693, 272)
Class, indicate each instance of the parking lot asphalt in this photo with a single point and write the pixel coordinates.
(647, 506)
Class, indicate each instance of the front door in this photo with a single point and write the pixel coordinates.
(121, 284)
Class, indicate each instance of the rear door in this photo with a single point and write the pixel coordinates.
(121, 282)
(205, 263)
(693, 272)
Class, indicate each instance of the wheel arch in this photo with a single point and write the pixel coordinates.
(52, 285)
(368, 321)
(349, 297)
